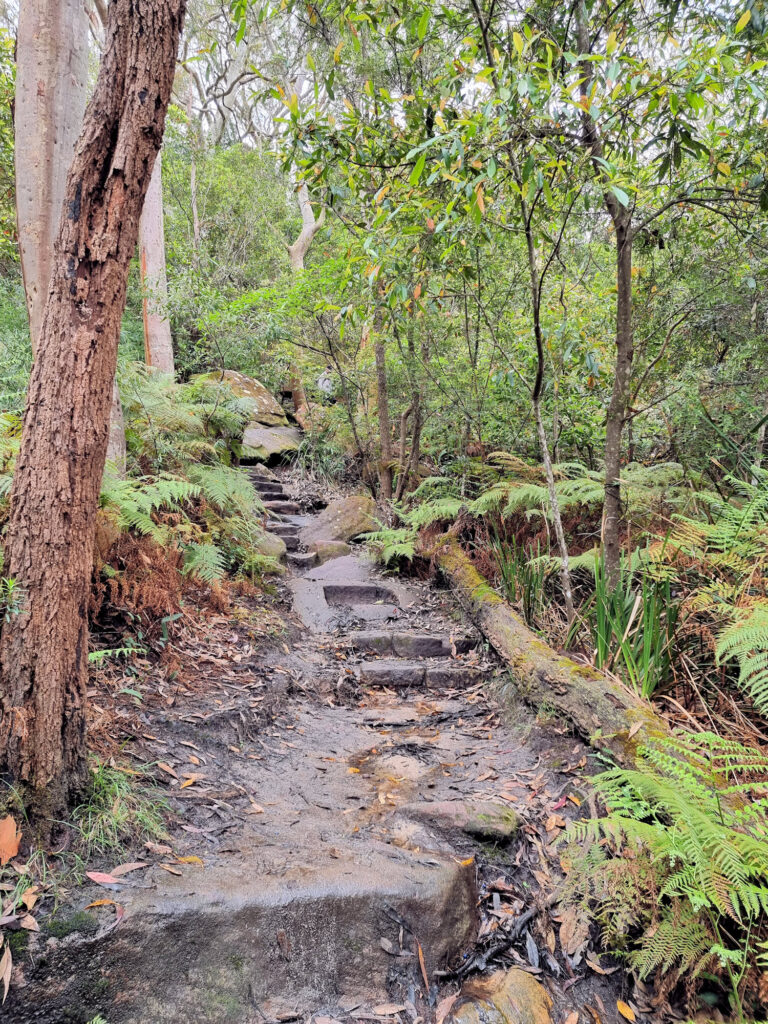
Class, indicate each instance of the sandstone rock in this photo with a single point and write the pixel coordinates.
(272, 546)
(265, 407)
(506, 997)
(480, 818)
(342, 521)
(266, 443)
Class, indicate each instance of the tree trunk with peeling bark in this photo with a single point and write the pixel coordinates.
(51, 82)
(49, 547)
(158, 344)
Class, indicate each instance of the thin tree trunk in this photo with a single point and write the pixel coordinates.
(116, 446)
(51, 82)
(382, 402)
(617, 408)
(158, 344)
(49, 549)
(402, 463)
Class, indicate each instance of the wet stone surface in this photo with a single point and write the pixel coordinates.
(356, 799)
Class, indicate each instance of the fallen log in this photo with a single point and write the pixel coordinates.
(602, 711)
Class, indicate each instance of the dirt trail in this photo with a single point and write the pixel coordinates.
(362, 830)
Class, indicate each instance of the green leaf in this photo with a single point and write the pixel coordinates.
(417, 170)
(743, 21)
(620, 194)
(423, 25)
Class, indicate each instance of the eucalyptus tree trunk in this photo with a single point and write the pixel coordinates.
(310, 225)
(51, 82)
(49, 546)
(158, 344)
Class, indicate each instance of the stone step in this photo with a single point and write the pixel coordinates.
(282, 529)
(392, 672)
(281, 507)
(268, 487)
(301, 559)
(404, 644)
(399, 673)
(290, 540)
(321, 924)
(351, 594)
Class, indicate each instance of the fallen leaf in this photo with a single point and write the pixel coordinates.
(10, 837)
(597, 967)
(574, 799)
(572, 1018)
(102, 879)
(124, 869)
(445, 1006)
(6, 965)
(100, 903)
(190, 860)
(29, 923)
(30, 897)
(423, 967)
(635, 728)
(254, 808)
(554, 821)
(170, 869)
(389, 1009)
(167, 769)
(157, 847)
(574, 931)
(625, 1010)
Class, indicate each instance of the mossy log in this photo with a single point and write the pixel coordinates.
(600, 709)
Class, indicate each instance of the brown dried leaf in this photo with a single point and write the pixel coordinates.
(574, 931)
(6, 966)
(157, 847)
(100, 878)
(190, 860)
(572, 1018)
(30, 896)
(29, 923)
(10, 837)
(124, 869)
(170, 869)
(389, 1009)
(167, 769)
(444, 1007)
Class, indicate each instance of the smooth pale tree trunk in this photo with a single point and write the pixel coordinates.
(296, 253)
(51, 82)
(310, 225)
(49, 547)
(158, 344)
(116, 446)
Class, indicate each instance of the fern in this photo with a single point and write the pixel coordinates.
(695, 812)
(393, 544)
(135, 502)
(227, 488)
(434, 511)
(746, 640)
(206, 561)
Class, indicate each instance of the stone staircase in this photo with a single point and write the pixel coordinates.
(283, 517)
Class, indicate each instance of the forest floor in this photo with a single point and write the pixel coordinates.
(357, 824)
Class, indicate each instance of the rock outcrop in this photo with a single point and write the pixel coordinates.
(342, 521)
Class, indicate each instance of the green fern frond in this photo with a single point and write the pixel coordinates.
(206, 561)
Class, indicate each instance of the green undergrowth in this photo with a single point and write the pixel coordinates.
(120, 809)
(676, 871)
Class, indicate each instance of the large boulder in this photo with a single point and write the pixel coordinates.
(338, 523)
(506, 997)
(264, 406)
(270, 444)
